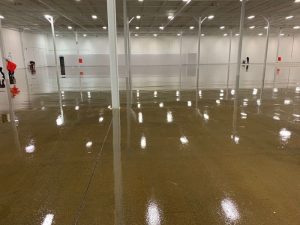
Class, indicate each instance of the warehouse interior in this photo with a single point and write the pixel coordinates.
(150, 112)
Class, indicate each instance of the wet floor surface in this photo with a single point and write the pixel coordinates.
(167, 159)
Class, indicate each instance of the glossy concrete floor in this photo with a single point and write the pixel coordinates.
(167, 158)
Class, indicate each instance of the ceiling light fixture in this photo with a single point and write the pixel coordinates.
(84, 35)
(138, 17)
(170, 17)
(251, 17)
(210, 17)
(70, 27)
(225, 35)
(137, 28)
(252, 27)
(94, 17)
(104, 27)
(296, 27)
(155, 35)
(192, 27)
(289, 17)
(1, 17)
(260, 34)
(222, 27)
(161, 28)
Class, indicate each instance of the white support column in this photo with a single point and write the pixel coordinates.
(180, 58)
(112, 34)
(51, 21)
(78, 63)
(7, 82)
(265, 59)
(277, 55)
(25, 64)
(228, 65)
(198, 60)
(238, 67)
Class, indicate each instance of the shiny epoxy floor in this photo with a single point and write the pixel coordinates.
(167, 159)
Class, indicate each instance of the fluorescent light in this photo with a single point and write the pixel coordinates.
(1, 17)
(84, 35)
(49, 18)
(141, 0)
(94, 17)
(104, 27)
(260, 34)
(178, 34)
(225, 35)
(138, 17)
(289, 17)
(202, 35)
(210, 17)
(252, 27)
(251, 17)
(297, 1)
(237, 34)
(170, 17)
(222, 27)
(155, 35)
(136, 35)
(282, 34)
(296, 27)
(161, 28)
(137, 28)
(192, 27)
(70, 27)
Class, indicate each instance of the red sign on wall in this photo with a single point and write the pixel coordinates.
(80, 60)
(279, 58)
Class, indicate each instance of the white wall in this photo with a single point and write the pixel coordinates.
(147, 50)
(35, 47)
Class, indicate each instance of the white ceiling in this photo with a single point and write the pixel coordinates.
(28, 14)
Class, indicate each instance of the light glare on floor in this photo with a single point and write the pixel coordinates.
(30, 148)
(140, 117)
(230, 210)
(143, 142)
(169, 117)
(153, 214)
(89, 144)
(184, 140)
(48, 219)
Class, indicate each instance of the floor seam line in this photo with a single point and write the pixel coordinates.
(82, 204)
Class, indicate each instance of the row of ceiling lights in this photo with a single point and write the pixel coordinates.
(171, 17)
